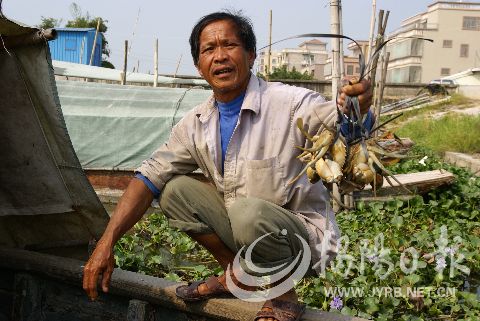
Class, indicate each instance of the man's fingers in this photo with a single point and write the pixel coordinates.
(90, 277)
(356, 89)
(106, 277)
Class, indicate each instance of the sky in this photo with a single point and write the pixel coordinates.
(142, 21)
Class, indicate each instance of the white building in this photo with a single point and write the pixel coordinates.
(455, 30)
(310, 57)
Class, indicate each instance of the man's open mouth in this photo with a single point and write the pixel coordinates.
(222, 71)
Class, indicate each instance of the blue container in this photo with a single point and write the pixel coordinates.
(75, 45)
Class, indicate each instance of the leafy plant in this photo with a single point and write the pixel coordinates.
(418, 224)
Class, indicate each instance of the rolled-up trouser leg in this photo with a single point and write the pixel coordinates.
(196, 207)
(252, 218)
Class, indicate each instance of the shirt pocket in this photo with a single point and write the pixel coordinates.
(265, 180)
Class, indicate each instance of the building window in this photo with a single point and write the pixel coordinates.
(349, 70)
(471, 23)
(274, 61)
(447, 43)
(357, 70)
(445, 71)
(70, 44)
(261, 61)
(463, 50)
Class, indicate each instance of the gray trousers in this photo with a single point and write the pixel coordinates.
(196, 207)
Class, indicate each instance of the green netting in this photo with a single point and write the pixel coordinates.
(117, 127)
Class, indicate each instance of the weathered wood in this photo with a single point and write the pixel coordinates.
(155, 291)
(140, 311)
(418, 183)
(27, 303)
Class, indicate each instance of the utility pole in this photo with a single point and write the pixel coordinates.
(155, 63)
(335, 29)
(269, 57)
(340, 20)
(94, 42)
(124, 75)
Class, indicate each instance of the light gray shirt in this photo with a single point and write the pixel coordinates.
(261, 156)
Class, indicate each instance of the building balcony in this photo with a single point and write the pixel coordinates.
(415, 27)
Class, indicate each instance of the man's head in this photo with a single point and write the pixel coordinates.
(244, 31)
(223, 48)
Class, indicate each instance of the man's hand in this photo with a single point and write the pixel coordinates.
(100, 263)
(360, 89)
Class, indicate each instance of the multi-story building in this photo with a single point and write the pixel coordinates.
(455, 30)
(351, 67)
(309, 57)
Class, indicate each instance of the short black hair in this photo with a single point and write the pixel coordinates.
(244, 29)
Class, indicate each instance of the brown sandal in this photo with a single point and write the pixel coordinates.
(281, 310)
(190, 292)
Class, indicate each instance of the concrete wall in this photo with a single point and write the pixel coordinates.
(392, 91)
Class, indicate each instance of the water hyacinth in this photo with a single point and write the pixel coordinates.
(441, 263)
(336, 303)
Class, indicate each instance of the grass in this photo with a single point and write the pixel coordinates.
(458, 133)
(456, 100)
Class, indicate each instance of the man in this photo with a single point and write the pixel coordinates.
(243, 139)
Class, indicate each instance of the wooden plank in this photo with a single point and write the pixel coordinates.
(417, 183)
(156, 291)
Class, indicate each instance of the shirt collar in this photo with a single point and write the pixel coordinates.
(250, 102)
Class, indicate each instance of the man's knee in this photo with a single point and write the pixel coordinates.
(173, 189)
(249, 219)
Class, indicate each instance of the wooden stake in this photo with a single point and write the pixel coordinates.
(94, 42)
(178, 65)
(269, 57)
(379, 100)
(124, 76)
(372, 30)
(155, 64)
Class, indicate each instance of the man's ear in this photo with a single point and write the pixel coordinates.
(251, 58)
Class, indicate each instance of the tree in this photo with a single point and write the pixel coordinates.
(48, 23)
(283, 73)
(81, 20)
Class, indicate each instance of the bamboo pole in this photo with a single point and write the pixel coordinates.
(269, 57)
(382, 26)
(155, 64)
(178, 65)
(94, 42)
(372, 30)
(124, 76)
(379, 101)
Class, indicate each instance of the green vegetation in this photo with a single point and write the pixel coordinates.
(458, 133)
(155, 249)
(418, 224)
(283, 74)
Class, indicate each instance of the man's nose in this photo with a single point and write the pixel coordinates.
(220, 54)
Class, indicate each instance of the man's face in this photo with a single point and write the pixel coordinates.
(223, 62)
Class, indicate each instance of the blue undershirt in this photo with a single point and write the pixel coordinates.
(229, 113)
(228, 120)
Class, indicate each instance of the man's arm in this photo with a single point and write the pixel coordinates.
(130, 209)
